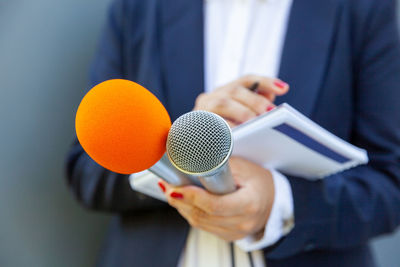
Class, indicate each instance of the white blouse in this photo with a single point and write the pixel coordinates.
(242, 37)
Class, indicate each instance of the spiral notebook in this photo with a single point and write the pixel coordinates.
(286, 140)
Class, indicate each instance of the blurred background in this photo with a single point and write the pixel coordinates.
(45, 50)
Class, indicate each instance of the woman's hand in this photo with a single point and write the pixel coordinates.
(231, 216)
(237, 104)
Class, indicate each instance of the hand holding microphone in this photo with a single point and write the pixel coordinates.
(230, 216)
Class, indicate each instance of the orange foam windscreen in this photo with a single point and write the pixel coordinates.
(122, 126)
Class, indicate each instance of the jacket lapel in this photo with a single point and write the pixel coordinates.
(304, 60)
(305, 55)
(182, 53)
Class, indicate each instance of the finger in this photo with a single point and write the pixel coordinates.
(222, 205)
(172, 193)
(277, 86)
(271, 107)
(197, 216)
(201, 217)
(254, 101)
(231, 123)
(226, 233)
(203, 98)
(179, 204)
(268, 87)
(230, 109)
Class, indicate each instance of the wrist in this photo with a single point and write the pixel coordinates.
(280, 221)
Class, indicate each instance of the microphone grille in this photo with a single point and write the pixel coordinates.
(198, 142)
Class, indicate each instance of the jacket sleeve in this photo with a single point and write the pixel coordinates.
(347, 209)
(94, 186)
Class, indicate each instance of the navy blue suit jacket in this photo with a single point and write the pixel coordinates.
(342, 60)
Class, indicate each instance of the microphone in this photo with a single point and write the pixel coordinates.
(123, 127)
(200, 143)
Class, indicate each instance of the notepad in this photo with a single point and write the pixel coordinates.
(291, 143)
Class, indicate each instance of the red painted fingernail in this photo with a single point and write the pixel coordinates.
(269, 108)
(176, 195)
(280, 84)
(162, 186)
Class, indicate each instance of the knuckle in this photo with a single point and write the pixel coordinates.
(245, 227)
(234, 91)
(171, 201)
(252, 209)
(220, 102)
(200, 97)
(193, 223)
(260, 104)
(245, 116)
(194, 218)
(195, 214)
(213, 208)
(267, 81)
(200, 101)
(242, 227)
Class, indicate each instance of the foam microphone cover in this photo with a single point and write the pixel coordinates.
(122, 126)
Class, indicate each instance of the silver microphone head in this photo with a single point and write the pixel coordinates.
(199, 142)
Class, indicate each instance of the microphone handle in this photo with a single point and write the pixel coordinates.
(220, 182)
(166, 171)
